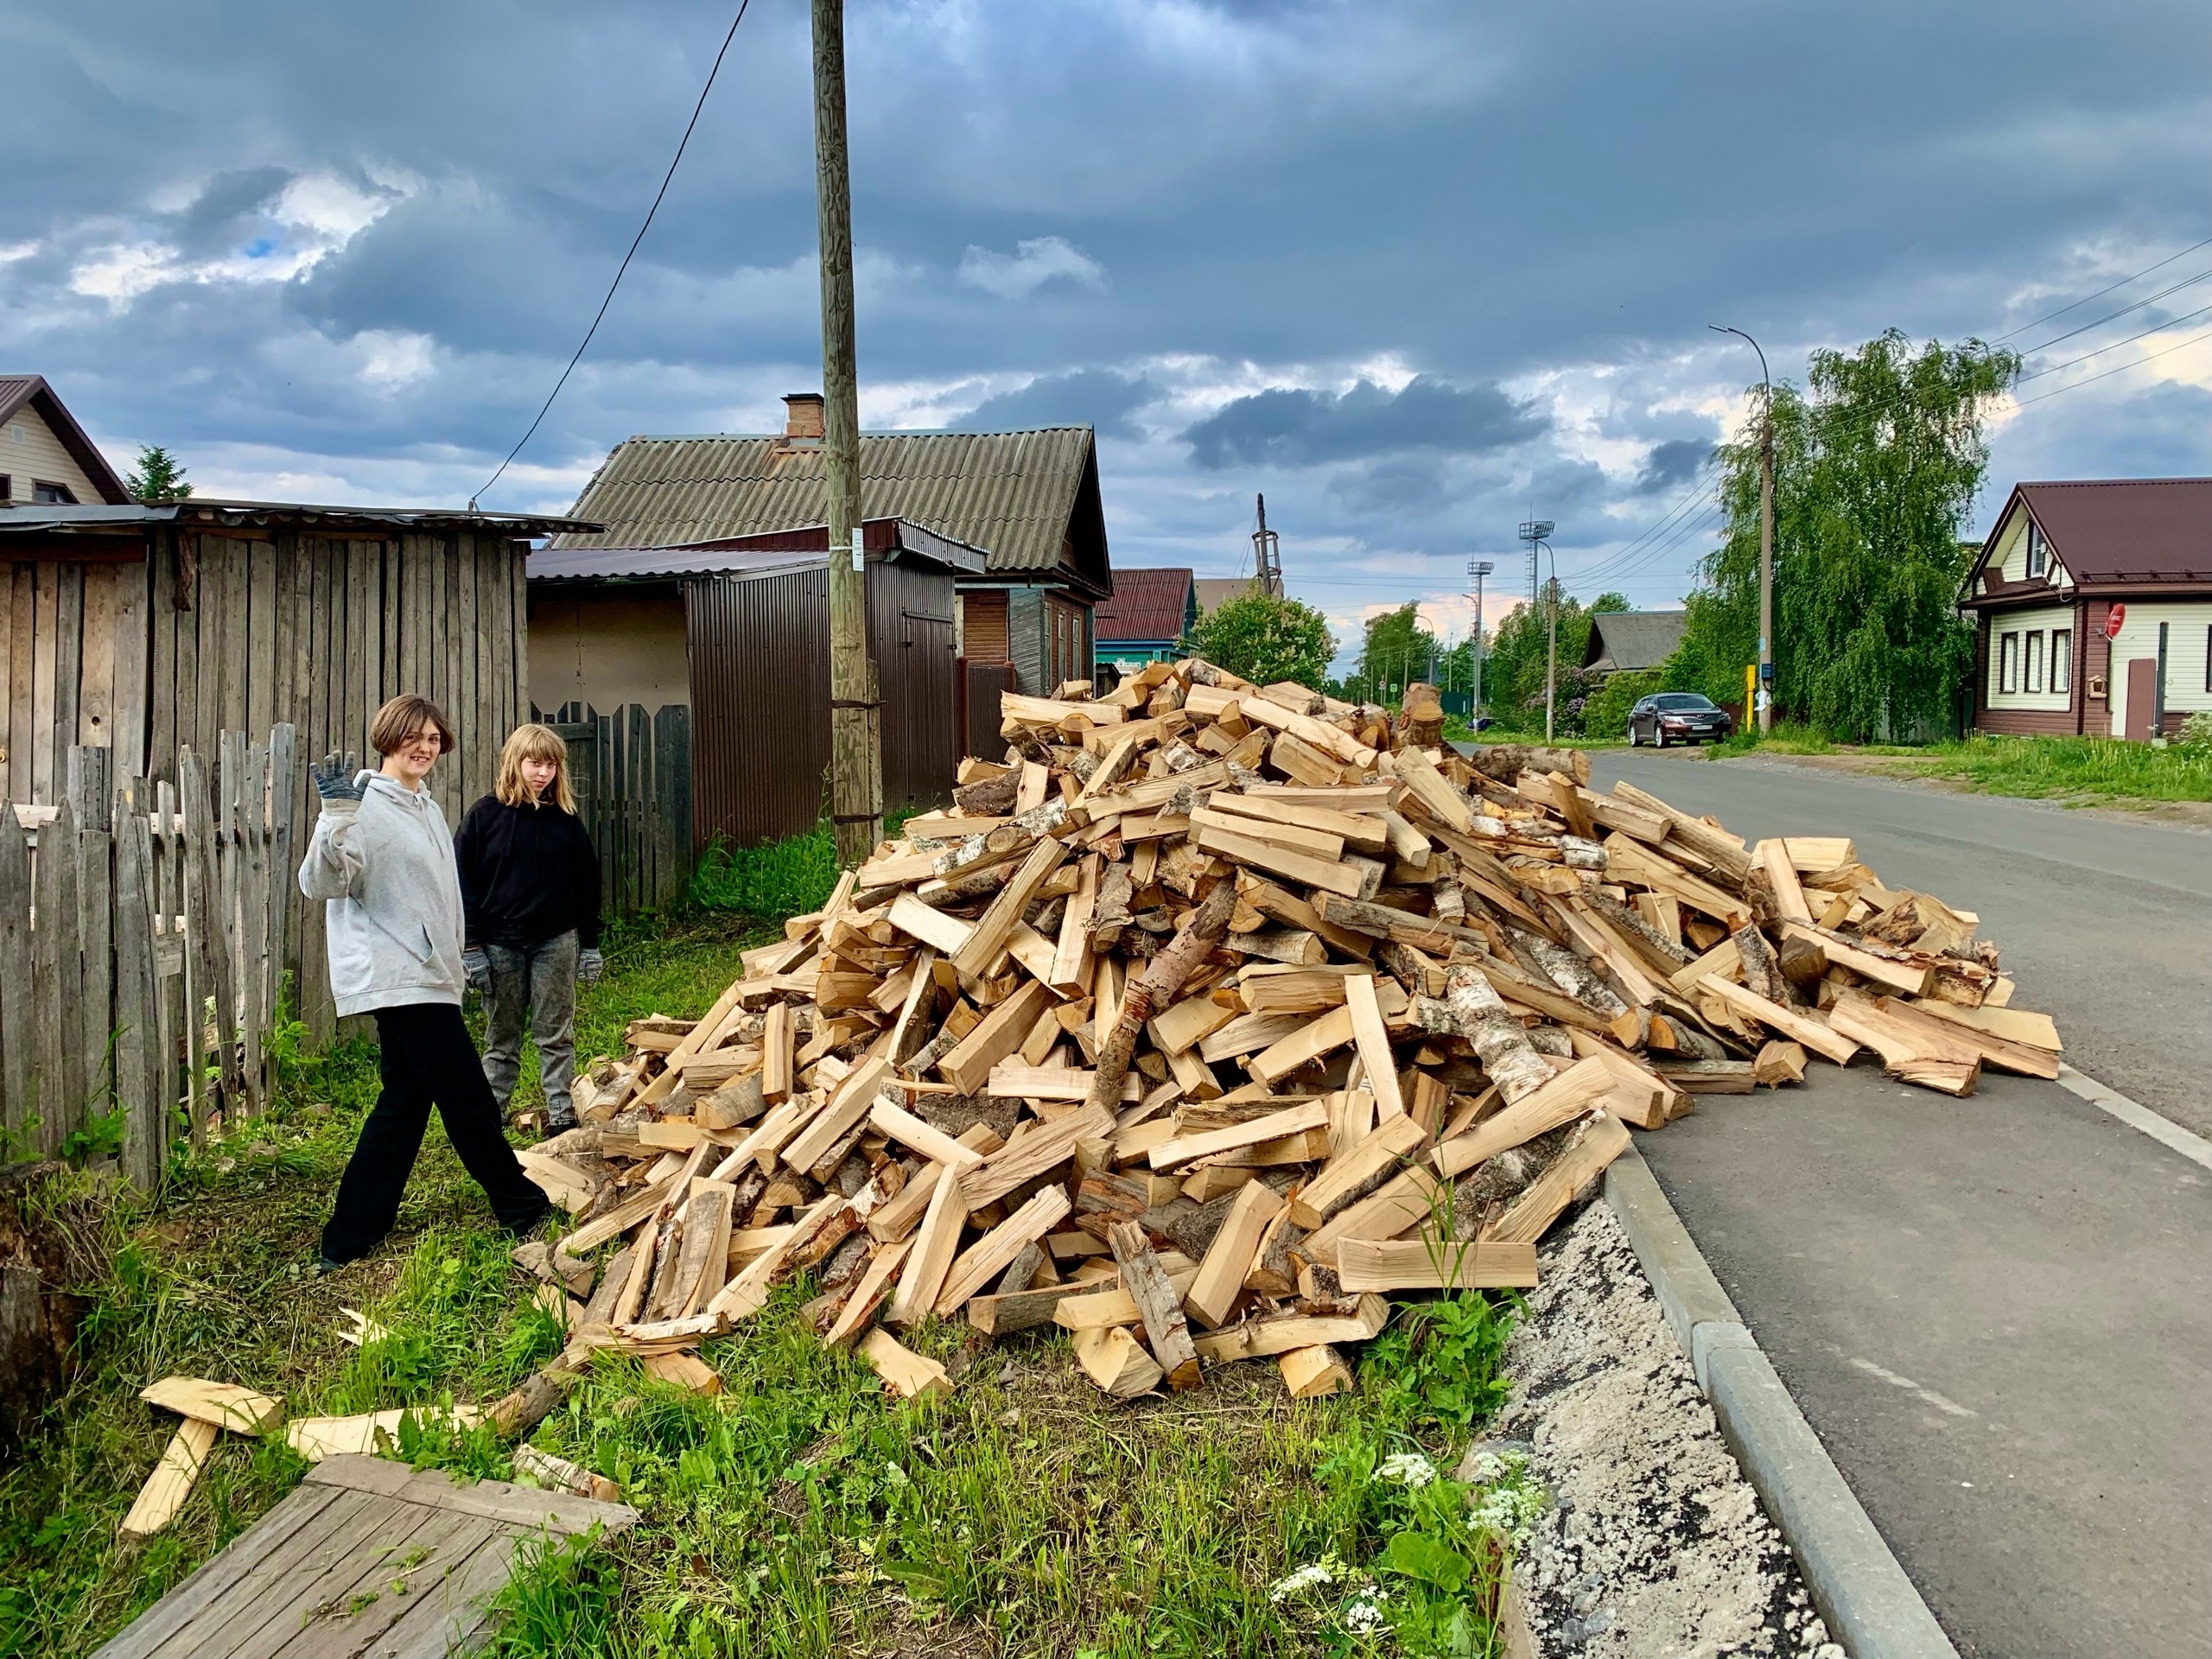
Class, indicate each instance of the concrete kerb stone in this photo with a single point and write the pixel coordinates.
(1869, 1603)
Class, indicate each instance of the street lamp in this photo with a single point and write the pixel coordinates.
(1766, 694)
(1534, 532)
(1478, 569)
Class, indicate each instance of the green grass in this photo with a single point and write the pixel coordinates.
(1788, 737)
(2084, 770)
(777, 878)
(799, 1512)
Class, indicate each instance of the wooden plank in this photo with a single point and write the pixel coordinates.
(1116, 1362)
(1587, 1084)
(2021, 1025)
(1587, 1156)
(1354, 1174)
(171, 1483)
(905, 1373)
(935, 1243)
(931, 926)
(1799, 1027)
(1374, 1264)
(997, 923)
(1189, 1149)
(57, 1043)
(898, 1124)
(1773, 856)
(1038, 1150)
(1228, 1257)
(968, 1067)
(1324, 1035)
(1265, 1338)
(866, 1299)
(1913, 979)
(1352, 878)
(18, 1016)
(991, 1255)
(1166, 1331)
(1374, 1042)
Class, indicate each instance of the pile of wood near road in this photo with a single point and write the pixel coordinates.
(1211, 1014)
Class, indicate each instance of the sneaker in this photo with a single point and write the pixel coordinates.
(559, 1120)
(324, 1264)
(528, 1229)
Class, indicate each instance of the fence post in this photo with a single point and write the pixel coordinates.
(87, 786)
(179, 1049)
(284, 808)
(203, 931)
(95, 853)
(55, 968)
(672, 802)
(17, 949)
(137, 1055)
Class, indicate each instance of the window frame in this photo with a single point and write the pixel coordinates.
(2008, 662)
(2031, 663)
(62, 496)
(2038, 551)
(2061, 661)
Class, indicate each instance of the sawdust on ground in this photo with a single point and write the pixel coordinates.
(1656, 1547)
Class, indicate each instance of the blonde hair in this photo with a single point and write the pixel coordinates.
(398, 722)
(533, 742)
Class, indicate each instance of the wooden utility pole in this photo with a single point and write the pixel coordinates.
(855, 725)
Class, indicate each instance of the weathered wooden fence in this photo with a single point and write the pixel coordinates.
(150, 918)
(632, 771)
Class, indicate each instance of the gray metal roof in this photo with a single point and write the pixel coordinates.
(1630, 640)
(887, 540)
(213, 514)
(1025, 498)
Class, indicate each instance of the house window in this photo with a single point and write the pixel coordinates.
(58, 495)
(2038, 554)
(7, 487)
(2008, 662)
(2034, 660)
(2061, 660)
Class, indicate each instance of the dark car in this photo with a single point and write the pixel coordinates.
(1677, 717)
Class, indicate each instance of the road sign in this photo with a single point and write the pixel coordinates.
(2113, 619)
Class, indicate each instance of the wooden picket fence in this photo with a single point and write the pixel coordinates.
(632, 773)
(151, 915)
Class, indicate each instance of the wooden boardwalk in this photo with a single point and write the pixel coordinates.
(366, 1558)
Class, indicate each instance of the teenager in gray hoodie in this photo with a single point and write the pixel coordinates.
(382, 860)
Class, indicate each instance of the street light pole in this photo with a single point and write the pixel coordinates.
(1478, 569)
(1534, 533)
(1766, 697)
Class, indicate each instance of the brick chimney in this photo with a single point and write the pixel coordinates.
(803, 417)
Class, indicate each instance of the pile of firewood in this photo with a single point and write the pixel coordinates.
(1209, 1014)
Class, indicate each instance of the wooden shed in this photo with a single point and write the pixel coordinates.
(143, 630)
(744, 622)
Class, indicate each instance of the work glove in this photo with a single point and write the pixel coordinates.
(334, 778)
(478, 966)
(589, 966)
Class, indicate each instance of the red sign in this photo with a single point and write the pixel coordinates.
(2113, 617)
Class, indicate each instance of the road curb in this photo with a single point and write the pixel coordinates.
(1868, 1602)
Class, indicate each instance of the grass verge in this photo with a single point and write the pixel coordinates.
(791, 877)
(799, 1512)
(2081, 771)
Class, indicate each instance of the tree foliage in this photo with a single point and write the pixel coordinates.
(1397, 651)
(1513, 674)
(1266, 639)
(158, 477)
(1877, 464)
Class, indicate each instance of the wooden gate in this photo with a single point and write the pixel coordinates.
(632, 776)
(982, 684)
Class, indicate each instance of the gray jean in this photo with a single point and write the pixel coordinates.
(538, 986)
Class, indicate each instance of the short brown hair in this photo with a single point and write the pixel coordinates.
(402, 718)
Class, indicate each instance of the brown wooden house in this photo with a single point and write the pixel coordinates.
(2093, 605)
(1030, 500)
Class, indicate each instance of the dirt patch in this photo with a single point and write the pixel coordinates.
(1656, 1547)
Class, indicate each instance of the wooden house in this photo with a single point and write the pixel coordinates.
(2092, 603)
(1630, 642)
(736, 629)
(1030, 500)
(143, 630)
(46, 460)
(1144, 620)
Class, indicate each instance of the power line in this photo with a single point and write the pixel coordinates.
(2152, 299)
(2057, 392)
(2172, 322)
(599, 315)
(2101, 292)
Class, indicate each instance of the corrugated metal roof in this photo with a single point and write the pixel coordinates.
(2118, 529)
(1017, 495)
(887, 541)
(1631, 640)
(1151, 604)
(1214, 592)
(203, 513)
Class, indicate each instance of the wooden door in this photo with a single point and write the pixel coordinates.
(2142, 698)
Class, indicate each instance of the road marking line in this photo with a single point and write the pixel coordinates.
(1942, 1402)
(2195, 1147)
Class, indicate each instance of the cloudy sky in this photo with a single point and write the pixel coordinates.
(1415, 269)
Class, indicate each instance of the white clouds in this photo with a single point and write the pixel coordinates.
(1035, 262)
(391, 361)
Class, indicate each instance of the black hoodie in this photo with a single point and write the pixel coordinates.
(528, 874)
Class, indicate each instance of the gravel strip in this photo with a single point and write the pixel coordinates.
(1656, 1547)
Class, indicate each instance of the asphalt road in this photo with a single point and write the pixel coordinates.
(1997, 1312)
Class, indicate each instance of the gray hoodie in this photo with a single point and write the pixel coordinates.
(394, 919)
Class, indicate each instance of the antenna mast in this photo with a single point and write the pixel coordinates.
(1267, 555)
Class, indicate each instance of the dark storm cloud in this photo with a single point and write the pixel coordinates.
(1097, 397)
(1307, 428)
(1671, 462)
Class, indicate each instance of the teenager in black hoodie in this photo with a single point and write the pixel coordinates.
(530, 887)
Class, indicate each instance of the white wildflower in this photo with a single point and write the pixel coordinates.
(1406, 1469)
(1309, 1577)
(1364, 1612)
(1510, 1511)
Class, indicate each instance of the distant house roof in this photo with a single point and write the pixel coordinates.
(2116, 534)
(1029, 499)
(1628, 641)
(1153, 606)
(890, 539)
(1214, 592)
(17, 389)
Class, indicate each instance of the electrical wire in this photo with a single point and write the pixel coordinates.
(2101, 293)
(2173, 322)
(2060, 392)
(2151, 299)
(599, 315)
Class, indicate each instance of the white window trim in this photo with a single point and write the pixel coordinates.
(2031, 663)
(2061, 661)
(2008, 664)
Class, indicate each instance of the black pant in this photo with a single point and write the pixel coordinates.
(427, 1057)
